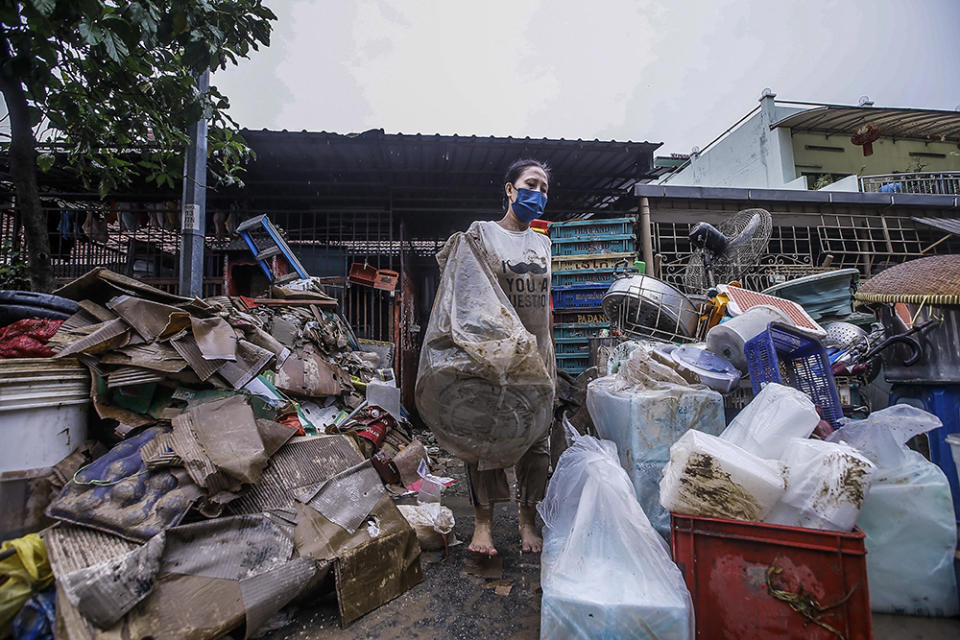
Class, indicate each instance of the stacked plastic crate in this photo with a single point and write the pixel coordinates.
(585, 254)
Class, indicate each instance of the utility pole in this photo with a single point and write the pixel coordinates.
(194, 205)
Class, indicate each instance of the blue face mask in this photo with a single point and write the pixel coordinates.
(529, 205)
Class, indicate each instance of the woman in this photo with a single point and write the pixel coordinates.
(520, 258)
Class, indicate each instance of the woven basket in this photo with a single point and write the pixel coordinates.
(934, 280)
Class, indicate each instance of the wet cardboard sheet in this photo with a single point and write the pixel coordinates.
(103, 337)
(151, 320)
(368, 570)
(308, 374)
(302, 462)
(215, 338)
(249, 362)
(156, 356)
(187, 348)
(348, 497)
(230, 570)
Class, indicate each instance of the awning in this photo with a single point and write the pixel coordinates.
(919, 124)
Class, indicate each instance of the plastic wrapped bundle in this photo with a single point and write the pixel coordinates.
(775, 415)
(482, 385)
(605, 572)
(908, 518)
(827, 483)
(708, 476)
(644, 423)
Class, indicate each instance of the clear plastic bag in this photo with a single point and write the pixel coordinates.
(775, 415)
(708, 476)
(482, 385)
(827, 483)
(908, 518)
(605, 572)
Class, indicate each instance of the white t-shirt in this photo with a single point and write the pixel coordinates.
(521, 262)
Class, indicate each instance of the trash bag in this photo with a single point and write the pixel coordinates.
(644, 422)
(827, 483)
(22, 574)
(908, 518)
(432, 522)
(709, 476)
(775, 415)
(605, 572)
(482, 386)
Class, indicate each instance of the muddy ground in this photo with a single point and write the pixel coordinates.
(452, 603)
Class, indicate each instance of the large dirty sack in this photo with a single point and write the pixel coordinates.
(606, 572)
(644, 418)
(482, 386)
(908, 518)
(777, 414)
(827, 483)
(708, 476)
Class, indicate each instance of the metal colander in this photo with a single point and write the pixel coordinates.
(844, 335)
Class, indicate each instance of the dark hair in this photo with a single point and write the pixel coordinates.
(516, 169)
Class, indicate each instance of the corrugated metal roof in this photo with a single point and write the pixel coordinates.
(922, 124)
(951, 225)
(417, 168)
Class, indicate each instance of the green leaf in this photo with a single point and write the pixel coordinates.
(179, 22)
(45, 161)
(91, 9)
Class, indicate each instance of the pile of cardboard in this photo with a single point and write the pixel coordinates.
(253, 451)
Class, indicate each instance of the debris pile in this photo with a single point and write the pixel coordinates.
(248, 453)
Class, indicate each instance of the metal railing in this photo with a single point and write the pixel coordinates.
(930, 182)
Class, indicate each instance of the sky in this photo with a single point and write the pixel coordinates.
(673, 71)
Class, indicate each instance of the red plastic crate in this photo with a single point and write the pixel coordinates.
(725, 564)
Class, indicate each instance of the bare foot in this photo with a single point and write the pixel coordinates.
(482, 542)
(530, 540)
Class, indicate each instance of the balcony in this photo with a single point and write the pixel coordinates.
(937, 183)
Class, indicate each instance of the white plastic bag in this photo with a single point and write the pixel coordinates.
(827, 483)
(644, 423)
(605, 572)
(482, 385)
(708, 476)
(432, 522)
(775, 415)
(908, 518)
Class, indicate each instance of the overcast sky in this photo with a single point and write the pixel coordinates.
(677, 72)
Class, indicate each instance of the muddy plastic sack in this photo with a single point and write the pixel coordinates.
(827, 483)
(605, 572)
(644, 423)
(775, 415)
(482, 385)
(908, 518)
(432, 522)
(708, 476)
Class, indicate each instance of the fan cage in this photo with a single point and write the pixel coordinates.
(647, 313)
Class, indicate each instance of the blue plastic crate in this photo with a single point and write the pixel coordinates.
(594, 228)
(579, 296)
(587, 315)
(573, 363)
(784, 355)
(620, 243)
(578, 346)
(580, 276)
(578, 329)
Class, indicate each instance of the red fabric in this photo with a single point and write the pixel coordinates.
(293, 422)
(27, 338)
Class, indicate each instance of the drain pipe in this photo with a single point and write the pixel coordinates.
(646, 235)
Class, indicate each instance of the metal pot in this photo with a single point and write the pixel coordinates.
(939, 361)
(642, 305)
